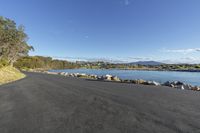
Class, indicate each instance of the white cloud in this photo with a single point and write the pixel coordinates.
(89, 59)
(183, 51)
(183, 60)
(180, 60)
(140, 58)
(191, 60)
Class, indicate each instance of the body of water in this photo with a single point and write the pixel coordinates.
(159, 76)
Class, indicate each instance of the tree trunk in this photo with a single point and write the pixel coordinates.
(11, 63)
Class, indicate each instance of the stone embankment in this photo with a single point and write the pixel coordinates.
(174, 84)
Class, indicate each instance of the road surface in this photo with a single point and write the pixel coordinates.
(43, 103)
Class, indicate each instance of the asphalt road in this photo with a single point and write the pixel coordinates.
(44, 103)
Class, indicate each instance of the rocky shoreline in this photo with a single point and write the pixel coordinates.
(111, 78)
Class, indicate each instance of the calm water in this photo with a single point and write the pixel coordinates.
(159, 76)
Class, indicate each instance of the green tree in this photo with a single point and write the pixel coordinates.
(13, 41)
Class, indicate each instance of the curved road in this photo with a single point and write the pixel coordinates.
(44, 103)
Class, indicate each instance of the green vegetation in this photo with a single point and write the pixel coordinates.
(167, 67)
(106, 65)
(9, 74)
(43, 63)
(179, 67)
(3, 63)
(13, 41)
(13, 45)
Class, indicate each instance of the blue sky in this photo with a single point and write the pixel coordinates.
(116, 30)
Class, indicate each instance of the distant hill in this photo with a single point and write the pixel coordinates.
(152, 63)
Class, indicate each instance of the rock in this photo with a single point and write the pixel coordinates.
(115, 78)
(93, 76)
(168, 83)
(171, 85)
(152, 83)
(72, 75)
(112, 78)
(126, 81)
(100, 78)
(54, 73)
(180, 87)
(109, 77)
(76, 74)
(66, 74)
(140, 81)
(133, 81)
(178, 83)
(81, 75)
(62, 73)
(187, 86)
(196, 88)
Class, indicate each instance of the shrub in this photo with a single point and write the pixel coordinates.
(3, 63)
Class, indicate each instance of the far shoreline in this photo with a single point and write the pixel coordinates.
(159, 70)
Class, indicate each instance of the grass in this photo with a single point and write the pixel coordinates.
(9, 74)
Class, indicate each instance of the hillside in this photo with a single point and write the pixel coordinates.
(9, 74)
(151, 63)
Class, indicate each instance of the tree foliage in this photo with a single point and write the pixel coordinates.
(40, 62)
(13, 41)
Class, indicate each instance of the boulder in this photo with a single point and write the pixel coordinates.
(62, 73)
(168, 83)
(93, 76)
(195, 88)
(112, 78)
(81, 75)
(54, 73)
(66, 74)
(171, 85)
(152, 83)
(115, 78)
(132, 81)
(180, 87)
(72, 75)
(126, 81)
(140, 81)
(109, 77)
(76, 74)
(178, 83)
(187, 86)
(100, 78)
